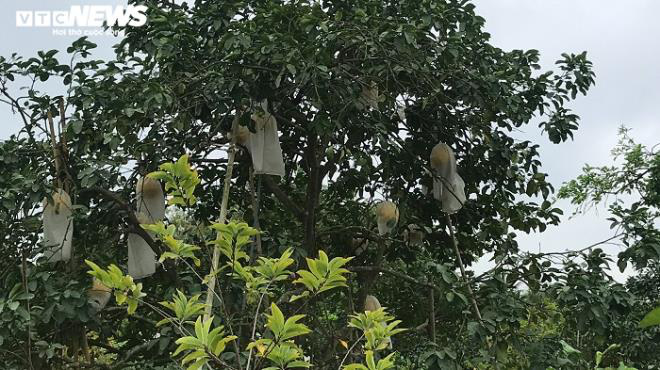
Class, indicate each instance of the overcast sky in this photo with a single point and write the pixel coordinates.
(621, 38)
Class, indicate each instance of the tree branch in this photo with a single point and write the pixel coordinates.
(473, 299)
(358, 231)
(133, 351)
(398, 274)
(283, 198)
(134, 226)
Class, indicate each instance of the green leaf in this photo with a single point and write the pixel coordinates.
(76, 126)
(13, 305)
(568, 348)
(275, 320)
(651, 319)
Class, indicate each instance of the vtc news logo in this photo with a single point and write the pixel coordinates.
(84, 16)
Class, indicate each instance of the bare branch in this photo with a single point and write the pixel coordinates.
(282, 197)
(398, 274)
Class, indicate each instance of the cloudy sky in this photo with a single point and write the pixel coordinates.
(619, 36)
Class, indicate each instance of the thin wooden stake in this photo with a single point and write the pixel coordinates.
(56, 152)
(255, 194)
(231, 155)
(432, 314)
(460, 263)
(64, 150)
(27, 304)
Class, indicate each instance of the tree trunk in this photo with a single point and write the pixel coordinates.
(313, 192)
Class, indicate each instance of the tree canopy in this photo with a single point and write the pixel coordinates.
(175, 87)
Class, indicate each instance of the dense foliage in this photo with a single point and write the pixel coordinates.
(176, 85)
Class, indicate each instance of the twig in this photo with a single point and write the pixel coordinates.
(393, 273)
(582, 249)
(358, 231)
(432, 315)
(254, 324)
(460, 263)
(255, 246)
(209, 160)
(27, 302)
(105, 346)
(133, 351)
(349, 351)
(228, 318)
(422, 326)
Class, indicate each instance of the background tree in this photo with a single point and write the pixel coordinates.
(629, 189)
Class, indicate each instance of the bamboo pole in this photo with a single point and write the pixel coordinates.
(231, 155)
(255, 194)
(56, 152)
(64, 150)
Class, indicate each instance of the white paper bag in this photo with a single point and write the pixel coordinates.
(150, 200)
(264, 146)
(58, 227)
(150, 209)
(141, 258)
(448, 186)
(387, 216)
